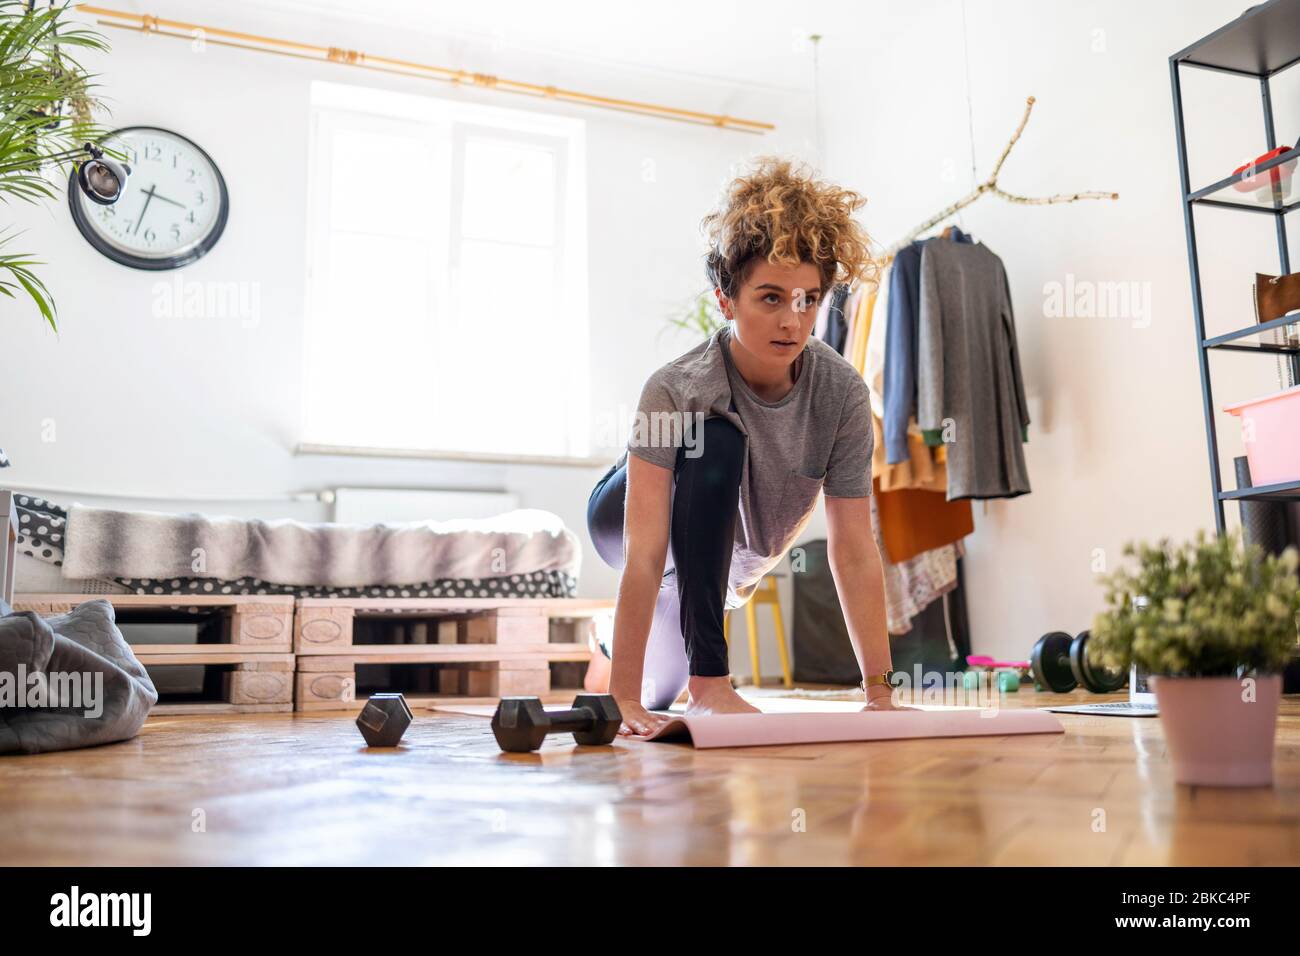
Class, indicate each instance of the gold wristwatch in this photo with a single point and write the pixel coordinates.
(877, 680)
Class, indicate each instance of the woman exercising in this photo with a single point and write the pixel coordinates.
(731, 445)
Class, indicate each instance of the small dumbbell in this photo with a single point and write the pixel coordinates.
(1006, 681)
(1006, 674)
(384, 719)
(521, 723)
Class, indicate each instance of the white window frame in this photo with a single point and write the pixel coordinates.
(451, 125)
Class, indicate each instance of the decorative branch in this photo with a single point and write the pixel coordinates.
(1015, 138)
(990, 185)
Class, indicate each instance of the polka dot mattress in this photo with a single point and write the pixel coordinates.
(43, 524)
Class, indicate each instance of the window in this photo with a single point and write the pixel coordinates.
(446, 305)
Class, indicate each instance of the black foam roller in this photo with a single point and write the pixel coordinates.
(1262, 522)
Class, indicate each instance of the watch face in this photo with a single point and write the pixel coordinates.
(173, 209)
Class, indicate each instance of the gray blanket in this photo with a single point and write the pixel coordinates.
(102, 543)
(68, 681)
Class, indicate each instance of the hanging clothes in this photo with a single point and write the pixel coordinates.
(919, 536)
(861, 328)
(852, 310)
(823, 317)
(874, 364)
(913, 522)
(901, 342)
(968, 370)
(836, 325)
(915, 515)
(925, 468)
(912, 586)
(921, 472)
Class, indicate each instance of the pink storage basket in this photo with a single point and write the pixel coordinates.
(1274, 447)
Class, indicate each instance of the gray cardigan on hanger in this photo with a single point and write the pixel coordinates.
(969, 385)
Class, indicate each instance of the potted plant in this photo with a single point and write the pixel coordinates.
(1213, 623)
(45, 125)
(45, 122)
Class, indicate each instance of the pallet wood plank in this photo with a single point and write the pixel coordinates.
(330, 683)
(579, 607)
(207, 654)
(508, 629)
(327, 625)
(318, 628)
(208, 709)
(259, 687)
(153, 600)
(443, 654)
(257, 682)
(262, 625)
(256, 622)
(325, 690)
(508, 682)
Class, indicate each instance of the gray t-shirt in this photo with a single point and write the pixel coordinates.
(817, 438)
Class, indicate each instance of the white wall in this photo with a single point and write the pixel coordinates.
(175, 409)
(1117, 446)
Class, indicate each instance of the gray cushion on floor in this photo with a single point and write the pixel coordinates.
(85, 641)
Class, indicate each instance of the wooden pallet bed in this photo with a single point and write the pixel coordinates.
(259, 654)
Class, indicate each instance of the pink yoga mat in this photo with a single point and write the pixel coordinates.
(765, 730)
(823, 726)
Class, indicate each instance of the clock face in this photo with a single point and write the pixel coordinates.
(174, 207)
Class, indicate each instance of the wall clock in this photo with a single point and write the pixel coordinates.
(173, 210)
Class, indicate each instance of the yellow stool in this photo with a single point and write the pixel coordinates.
(765, 593)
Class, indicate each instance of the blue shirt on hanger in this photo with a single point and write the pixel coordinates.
(901, 343)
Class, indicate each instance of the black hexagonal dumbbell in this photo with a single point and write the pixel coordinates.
(521, 724)
(384, 719)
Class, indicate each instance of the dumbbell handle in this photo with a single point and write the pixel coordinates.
(575, 720)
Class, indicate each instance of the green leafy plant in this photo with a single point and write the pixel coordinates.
(700, 316)
(45, 119)
(1206, 608)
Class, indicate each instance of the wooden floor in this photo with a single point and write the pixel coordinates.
(300, 789)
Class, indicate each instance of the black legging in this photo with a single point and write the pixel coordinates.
(686, 636)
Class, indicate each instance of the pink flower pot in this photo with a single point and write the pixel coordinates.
(1215, 738)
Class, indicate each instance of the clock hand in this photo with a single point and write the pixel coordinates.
(172, 201)
(148, 195)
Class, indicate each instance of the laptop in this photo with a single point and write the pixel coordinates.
(1141, 701)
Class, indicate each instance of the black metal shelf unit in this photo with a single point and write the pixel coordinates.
(1259, 44)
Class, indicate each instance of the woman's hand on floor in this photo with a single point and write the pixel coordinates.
(637, 721)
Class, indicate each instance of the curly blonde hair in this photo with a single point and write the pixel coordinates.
(780, 211)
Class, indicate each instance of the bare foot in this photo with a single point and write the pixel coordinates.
(596, 680)
(715, 695)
